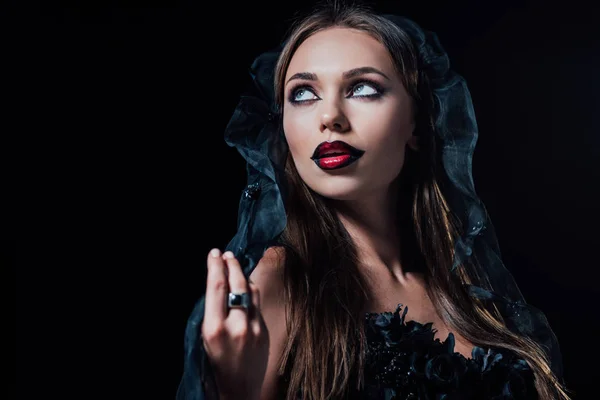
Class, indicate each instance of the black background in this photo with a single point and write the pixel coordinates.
(125, 107)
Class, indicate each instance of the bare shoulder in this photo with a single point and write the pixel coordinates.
(268, 273)
(268, 277)
(274, 256)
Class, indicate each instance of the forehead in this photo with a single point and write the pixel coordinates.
(335, 50)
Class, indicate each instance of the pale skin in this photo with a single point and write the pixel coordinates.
(371, 111)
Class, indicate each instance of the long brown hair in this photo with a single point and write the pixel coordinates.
(325, 292)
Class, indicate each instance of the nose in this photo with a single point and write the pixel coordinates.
(334, 119)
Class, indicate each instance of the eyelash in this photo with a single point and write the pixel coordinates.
(352, 86)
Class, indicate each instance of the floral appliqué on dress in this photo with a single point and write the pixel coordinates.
(404, 361)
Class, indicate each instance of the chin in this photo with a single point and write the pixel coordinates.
(338, 189)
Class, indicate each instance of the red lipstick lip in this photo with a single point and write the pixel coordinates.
(335, 155)
(336, 147)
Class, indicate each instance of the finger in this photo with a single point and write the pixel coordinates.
(217, 287)
(237, 284)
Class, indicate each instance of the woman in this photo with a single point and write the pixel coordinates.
(373, 270)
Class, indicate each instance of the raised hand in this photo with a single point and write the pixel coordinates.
(236, 340)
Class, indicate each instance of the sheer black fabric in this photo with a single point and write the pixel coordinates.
(255, 131)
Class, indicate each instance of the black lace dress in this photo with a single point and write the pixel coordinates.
(405, 361)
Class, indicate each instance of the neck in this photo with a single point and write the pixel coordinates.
(371, 222)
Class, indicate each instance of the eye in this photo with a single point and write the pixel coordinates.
(365, 89)
(303, 94)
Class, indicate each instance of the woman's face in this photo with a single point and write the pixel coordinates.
(341, 85)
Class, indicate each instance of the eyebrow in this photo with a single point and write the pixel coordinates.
(310, 76)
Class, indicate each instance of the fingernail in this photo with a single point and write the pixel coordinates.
(228, 254)
(215, 252)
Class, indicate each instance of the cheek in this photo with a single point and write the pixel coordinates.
(387, 133)
(388, 129)
(296, 134)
